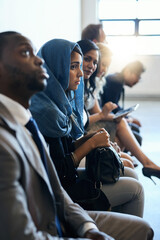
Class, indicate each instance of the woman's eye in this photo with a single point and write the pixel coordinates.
(74, 66)
(86, 59)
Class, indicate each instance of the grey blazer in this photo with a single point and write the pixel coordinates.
(28, 200)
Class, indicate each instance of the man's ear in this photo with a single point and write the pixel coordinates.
(127, 72)
(94, 40)
(126, 76)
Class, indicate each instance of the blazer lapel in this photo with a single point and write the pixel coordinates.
(32, 156)
(25, 143)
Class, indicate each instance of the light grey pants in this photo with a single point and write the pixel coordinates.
(122, 226)
(127, 194)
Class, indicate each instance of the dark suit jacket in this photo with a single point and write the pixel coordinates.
(113, 89)
(28, 200)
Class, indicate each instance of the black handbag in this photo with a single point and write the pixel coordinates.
(88, 196)
(103, 165)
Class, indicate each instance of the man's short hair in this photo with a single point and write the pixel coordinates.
(135, 67)
(4, 39)
(91, 32)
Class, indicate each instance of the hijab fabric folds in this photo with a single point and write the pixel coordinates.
(52, 108)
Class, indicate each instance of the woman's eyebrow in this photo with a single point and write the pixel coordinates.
(75, 62)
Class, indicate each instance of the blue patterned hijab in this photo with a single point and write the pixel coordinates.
(52, 109)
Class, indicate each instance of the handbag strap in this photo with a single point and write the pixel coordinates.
(98, 183)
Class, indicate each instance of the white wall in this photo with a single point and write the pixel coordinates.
(89, 13)
(42, 20)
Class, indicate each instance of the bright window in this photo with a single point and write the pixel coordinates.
(149, 27)
(118, 27)
(132, 26)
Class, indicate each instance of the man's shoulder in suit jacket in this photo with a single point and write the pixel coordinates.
(28, 199)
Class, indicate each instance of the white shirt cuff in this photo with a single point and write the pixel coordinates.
(85, 227)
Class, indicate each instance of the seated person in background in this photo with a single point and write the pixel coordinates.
(114, 88)
(124, 135)
(102, 70)
(94, 32)
(53, 111)
(103, 118)
(100, 81)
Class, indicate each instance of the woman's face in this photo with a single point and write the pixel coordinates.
(90, 61)
(103, 66)
(75, 71)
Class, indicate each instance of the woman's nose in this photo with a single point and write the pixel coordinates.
(91, 65)
(80, 73)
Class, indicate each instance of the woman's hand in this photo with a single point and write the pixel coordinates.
(116, 147)
(134, 120)
(127, 163)
(100, 139)
(107, 108)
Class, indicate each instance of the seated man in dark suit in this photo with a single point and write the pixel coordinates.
(33, 204)
(114, 90)
(115, 83)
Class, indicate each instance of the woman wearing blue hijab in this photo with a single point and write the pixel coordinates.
(58, 110)
(52, 108)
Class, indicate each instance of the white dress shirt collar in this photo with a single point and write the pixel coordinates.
(21, 114)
